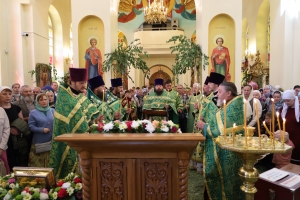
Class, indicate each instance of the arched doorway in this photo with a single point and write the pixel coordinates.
(158, 71)
(159, 74)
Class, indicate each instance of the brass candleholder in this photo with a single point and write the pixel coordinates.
(250, 154)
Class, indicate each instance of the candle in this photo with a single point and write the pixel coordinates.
(273, 116)
(284, 120)
(224, 107)
(233, 136)
(264, 123)
(257, 120)
(277, 114)
(245, 119)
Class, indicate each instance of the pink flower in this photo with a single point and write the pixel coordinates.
(164, 122)
(44, 190)
(117, 121)
(11, 180)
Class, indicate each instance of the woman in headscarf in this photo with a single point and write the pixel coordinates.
(290, 112)
(278, 102)
(251, 112)
(41, 125)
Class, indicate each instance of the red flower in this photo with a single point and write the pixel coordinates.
(26, 189)
(100, 126)
(128, 123)
(60, 183)
(62, 193)
(77, 180)
(174, 129)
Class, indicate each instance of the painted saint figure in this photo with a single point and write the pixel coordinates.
(93, 59)
(220, 59)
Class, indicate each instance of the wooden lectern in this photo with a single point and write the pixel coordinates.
(134, 166)
(150, 113)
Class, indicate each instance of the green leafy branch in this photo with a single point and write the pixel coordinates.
(188, 56)
(121, 60)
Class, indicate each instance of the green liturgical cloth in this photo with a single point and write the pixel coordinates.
(72, 115)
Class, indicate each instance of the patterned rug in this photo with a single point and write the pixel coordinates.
(196, 185)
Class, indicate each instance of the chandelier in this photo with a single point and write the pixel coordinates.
(156, 12)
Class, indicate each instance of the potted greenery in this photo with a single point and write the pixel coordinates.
(122, 59)
(188, 56)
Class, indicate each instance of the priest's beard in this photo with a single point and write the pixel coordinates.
(220, 102)
(100, 95)
(158, 92)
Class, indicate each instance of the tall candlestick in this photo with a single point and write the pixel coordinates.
(273, 116)
(284, 120)
(245, 120)
(233, 133)
(257, 121)
(224, 107)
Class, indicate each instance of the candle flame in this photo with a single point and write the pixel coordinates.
(284, 119)
(255, 100)
(234, 125)
(224, 101)
(245, 100)
(272, 99)
(264, 122)
(277, 114)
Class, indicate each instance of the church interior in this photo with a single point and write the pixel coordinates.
(262, 37)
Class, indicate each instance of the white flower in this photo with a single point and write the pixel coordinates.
(146, 121)
(44, 196)
(7, 196)
(135, 124)
(170, 123)
(78, 186)
(123, 126)
(36, 190)
(179, 131)
(23, 193)
(12, 175)
(70, 191)
(108, 126)
(54, 195)
(66, 185)
(27, 196)
(31, 189)
(165, 129)
(150, 128)
(12, 185)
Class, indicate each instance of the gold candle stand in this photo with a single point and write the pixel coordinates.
(250, 155)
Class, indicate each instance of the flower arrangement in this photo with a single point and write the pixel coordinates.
(69, 188)
(138, 126)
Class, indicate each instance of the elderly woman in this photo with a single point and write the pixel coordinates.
(251, 112)
(267, 93)
(41, 125)
(290, 112)
(51, 98)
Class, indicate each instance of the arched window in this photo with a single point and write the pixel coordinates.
(50, 34)
(268, 43)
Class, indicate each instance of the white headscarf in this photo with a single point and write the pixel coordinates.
(290, 94)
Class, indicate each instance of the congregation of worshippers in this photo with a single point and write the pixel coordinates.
(31, 116)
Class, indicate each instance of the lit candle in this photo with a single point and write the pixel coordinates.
(257, 120)
(233, 134)
(264, 123)
(284, 120)
(224, 107)
(273, 116)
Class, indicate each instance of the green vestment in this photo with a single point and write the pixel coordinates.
(115, 104)
(221, 166)
(192, 112)
(102, 107)
(158, 102)
(72, 115)
(177, 101)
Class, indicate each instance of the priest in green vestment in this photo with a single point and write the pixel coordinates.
(73, 112)
(159, 99)
(96, 93)
(114, 98)
(196, 97)
(176, 100)
(221, 166)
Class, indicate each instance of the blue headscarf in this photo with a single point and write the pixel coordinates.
(39, 107)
